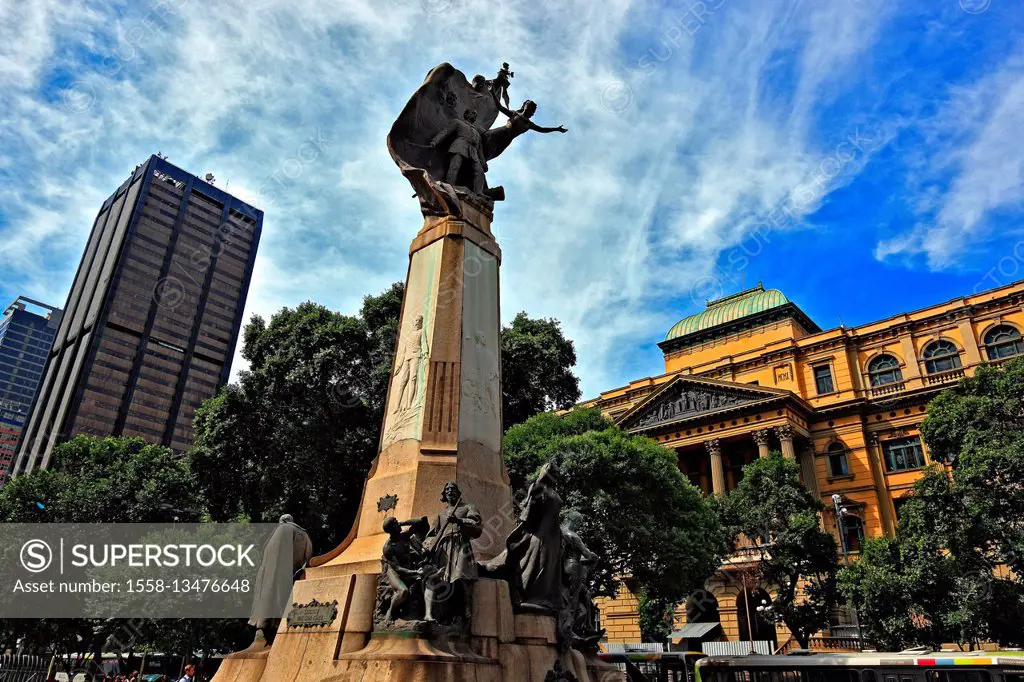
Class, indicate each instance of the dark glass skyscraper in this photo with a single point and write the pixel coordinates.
(153, 316)
(25, 340)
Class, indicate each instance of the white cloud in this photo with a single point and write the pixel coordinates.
(602, 226)
(975, 168)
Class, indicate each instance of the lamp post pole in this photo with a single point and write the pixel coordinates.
(841, 512)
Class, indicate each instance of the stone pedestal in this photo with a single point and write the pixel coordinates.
(443, 421)
(501, 646)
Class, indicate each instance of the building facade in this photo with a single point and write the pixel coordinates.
(752, 373)
(25, 340)
(153, 316)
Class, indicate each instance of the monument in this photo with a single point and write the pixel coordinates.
(441, 577)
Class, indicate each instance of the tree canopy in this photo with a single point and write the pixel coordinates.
(107, 480)
(642, 517)
(298, 431)
(111, 480)
(536, 369)
(953, 572)
(772, 509)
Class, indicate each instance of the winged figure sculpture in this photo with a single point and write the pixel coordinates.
(444, 138)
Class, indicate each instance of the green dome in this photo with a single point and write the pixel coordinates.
(727, 309)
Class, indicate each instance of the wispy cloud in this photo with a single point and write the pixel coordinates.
(685, 138)
(974, 168)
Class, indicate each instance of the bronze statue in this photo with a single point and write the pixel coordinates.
(286, 552)
(427, 571)
(499, 86)
(448, 107)
(532, 560)
(402, 568)
(449, 542)
(579, 622)
(466, 149)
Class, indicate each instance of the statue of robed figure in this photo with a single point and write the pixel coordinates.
(532, 560)
(287, 551)
(443, 139)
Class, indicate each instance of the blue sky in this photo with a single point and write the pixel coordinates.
(864, 157)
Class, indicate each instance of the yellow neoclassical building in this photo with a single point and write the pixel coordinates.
(753, 373)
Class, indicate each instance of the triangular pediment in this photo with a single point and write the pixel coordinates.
(686, 398)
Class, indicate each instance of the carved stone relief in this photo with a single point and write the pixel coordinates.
(684, 401)
(409, 374)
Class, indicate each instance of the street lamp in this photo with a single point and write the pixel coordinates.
(841, 514)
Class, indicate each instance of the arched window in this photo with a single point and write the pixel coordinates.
(941, 356)
(837, 462)
(1003, 341)
(702, 607)
(853, 533)
(885, 369)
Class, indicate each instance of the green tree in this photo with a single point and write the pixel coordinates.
(298, 431)
(957, 553)
(641, 516)
(528, 447)
(977, 428)
(536, 369)
(96, 480)
(657, 618)
(104, 480)
(882, 584)
(772, 509)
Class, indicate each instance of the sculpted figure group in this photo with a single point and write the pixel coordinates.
(689, 402)
(427, 569)
(444, 138)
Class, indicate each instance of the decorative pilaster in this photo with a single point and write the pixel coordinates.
(972, 352)
(785, 434)
(885, 506)
(717, 468)
(807, 470)
(761, 438)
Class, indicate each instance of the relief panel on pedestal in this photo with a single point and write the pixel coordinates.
(480, 405)
(409, 375)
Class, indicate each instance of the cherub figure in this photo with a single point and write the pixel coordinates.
(501, 83)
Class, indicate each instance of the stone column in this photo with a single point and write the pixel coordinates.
(785, 434)
(885, 505)
(761, 438)
(717, 468)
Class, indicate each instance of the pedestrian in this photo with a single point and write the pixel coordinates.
(190, 674)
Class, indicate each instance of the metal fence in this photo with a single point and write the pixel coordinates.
(735, 648)
(14, 668)
(647, 647)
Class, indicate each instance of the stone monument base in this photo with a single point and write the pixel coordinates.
(501, 646)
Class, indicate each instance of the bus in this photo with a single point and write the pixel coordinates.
(908, 666)
(651, 666)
